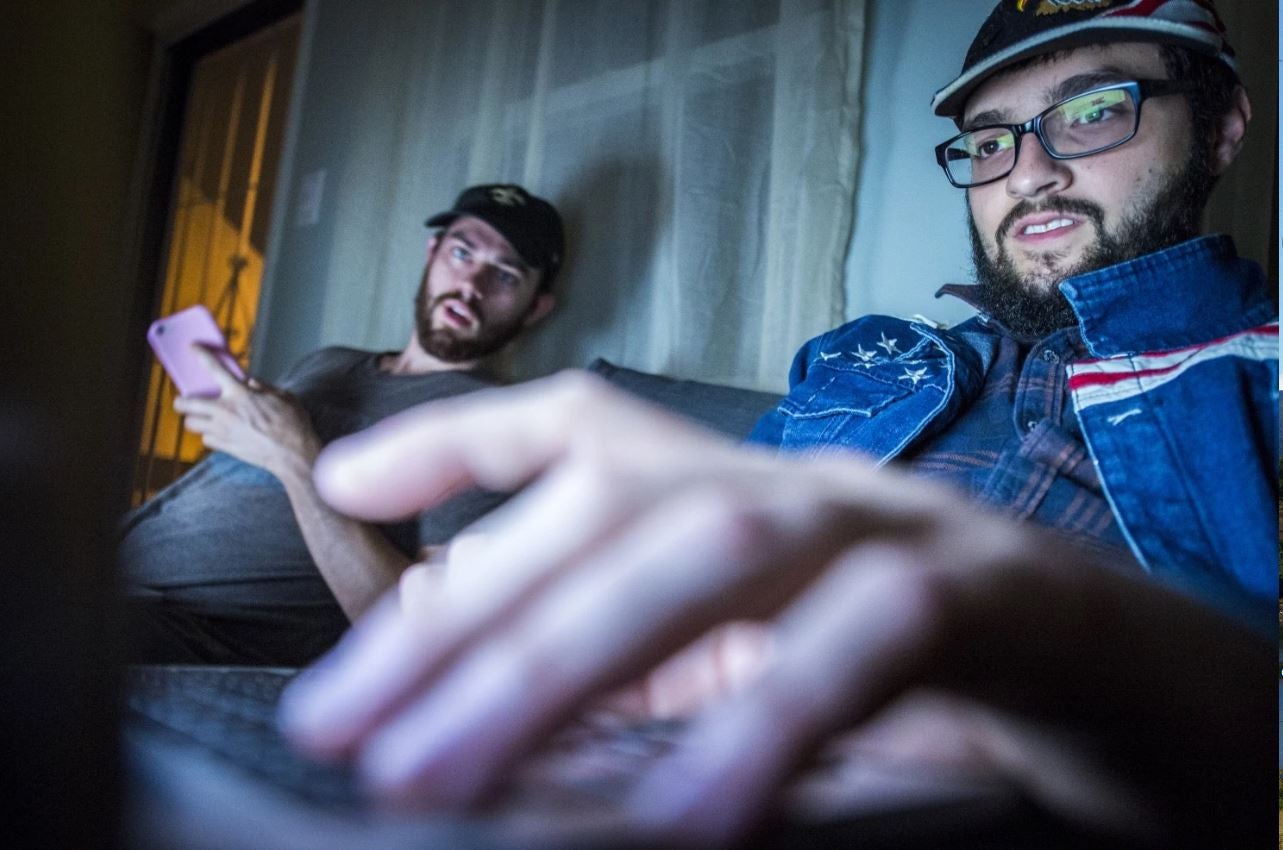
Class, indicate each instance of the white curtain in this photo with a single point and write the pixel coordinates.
(702, 152)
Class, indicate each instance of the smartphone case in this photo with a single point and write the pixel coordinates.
(172, 338)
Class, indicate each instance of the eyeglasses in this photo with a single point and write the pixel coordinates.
(1082, 125)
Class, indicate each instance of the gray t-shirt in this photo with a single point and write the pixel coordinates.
(223, 537)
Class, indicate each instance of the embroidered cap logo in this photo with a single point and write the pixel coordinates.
(1051, 7)
(508, 196)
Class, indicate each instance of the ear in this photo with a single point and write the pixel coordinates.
(433, 243)
(544, 302)
(1229, 131)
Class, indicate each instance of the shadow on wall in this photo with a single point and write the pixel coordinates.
(610, 256)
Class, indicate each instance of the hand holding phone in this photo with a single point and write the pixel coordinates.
(174, 337)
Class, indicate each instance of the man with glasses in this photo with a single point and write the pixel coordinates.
(1066, 584)
(1117, 378)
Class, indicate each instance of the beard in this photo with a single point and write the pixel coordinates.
(444, 344)
(1031, 303)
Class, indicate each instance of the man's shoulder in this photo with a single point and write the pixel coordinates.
(891, 334)
(335, 355)
(924, 354)
(325, 361)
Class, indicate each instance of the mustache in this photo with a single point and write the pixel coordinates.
(1073, 206)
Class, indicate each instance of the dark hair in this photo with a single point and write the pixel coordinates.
(1212, 82)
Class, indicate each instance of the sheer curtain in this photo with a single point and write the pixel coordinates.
(703, 154)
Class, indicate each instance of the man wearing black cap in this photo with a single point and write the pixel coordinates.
(239, 561)
(453, 323)
(1085, 614)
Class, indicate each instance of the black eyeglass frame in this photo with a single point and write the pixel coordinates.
(1140, 91)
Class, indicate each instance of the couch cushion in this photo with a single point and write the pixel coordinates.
(730, 410)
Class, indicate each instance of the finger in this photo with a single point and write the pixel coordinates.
(958, 738)
(679, 685)
(188, 405)
(873, 626)
(467, 546)
(724, 661)
(529, 542)
(611, 618)
(216, 442)
(198, 424)
(433, 553)
(383, 638)
(227, 382)
(422, 589)
(743, 650)
(497, 439)
(721, 662)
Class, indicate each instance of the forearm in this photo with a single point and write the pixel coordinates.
(271, 429)
(355, 559)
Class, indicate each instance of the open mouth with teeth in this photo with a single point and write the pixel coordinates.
(456, 315)
(1051, 225)
(1047, 229)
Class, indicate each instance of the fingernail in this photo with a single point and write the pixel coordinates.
(443, 746)
(399, 767)
(301, 714)
(707, 791)
(311, 708)
(384, 766)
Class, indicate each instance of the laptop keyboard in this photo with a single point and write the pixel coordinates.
(232, 713)
(589, 764)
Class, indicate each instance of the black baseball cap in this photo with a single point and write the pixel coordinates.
(530, 223)
(1018, 29)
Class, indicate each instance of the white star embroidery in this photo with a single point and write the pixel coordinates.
(824, 356)
(507, 196)
(914, 375)
(863, 356)
(888, 344)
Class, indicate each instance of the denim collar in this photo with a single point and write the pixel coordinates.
(1183, 295)
(1186, 294)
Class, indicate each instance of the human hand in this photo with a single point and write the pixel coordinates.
(252, 421)
(1110, 700)
(719, 663)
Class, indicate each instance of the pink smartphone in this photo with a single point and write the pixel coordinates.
(172, 339)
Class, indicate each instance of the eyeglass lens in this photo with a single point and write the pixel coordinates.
(1075, 127)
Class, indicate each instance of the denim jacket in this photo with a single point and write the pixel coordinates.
(1178, 404)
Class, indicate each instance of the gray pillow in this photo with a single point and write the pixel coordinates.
(730, 410)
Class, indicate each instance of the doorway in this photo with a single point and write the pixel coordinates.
(230, 139)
